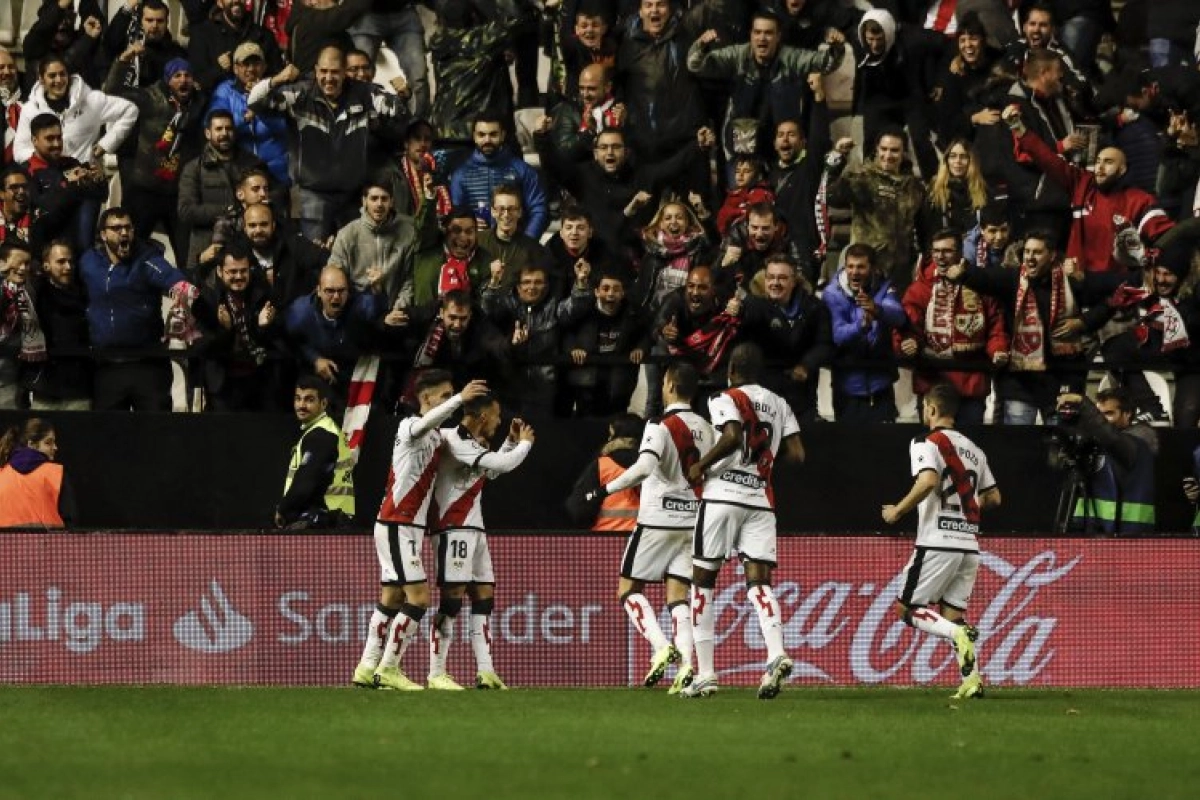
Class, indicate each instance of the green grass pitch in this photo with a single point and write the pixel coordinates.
(173, 742)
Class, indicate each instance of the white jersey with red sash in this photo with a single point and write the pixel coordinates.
(678, 440)
(744, 476)
(949, 515)
(410, 479)
(461, 475)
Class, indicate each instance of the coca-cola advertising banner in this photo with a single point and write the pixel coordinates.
(250, 609)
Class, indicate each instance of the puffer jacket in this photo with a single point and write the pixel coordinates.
(207, 188)
(853, 341)
(473, 183)
(266, 135)
(91, 118)
(391, 245)
(125, 299)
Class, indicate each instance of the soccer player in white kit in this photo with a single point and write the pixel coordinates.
(737, 512)
(659, 549)
(952, 485)
(463, 559)
(400, 532)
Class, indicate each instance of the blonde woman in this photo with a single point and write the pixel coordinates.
(957, 192)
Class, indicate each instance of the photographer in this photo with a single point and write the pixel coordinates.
(1115, 459)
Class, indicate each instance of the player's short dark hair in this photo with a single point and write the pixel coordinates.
(53, 243)
(416, 126)
(608, 274)
(895, 132)
(238, 248)
(946, 233)
(488, 117)
(477, 405)
(944, 397)
(685, 378)
(256, 171)
(377, 181)
(1118, 394)
(746, 362)
(315, 384)
(461, 212)
(13, 169)
(782, 258)
(354, 51)
(43, 122)
(762, 209)
(431, 378)
(1044, 236)
(574, 212)
(49, 61)
(860, 250)
(218, 113)
(627, 426)
(762, 12)
(1037, 5)
(156, 5)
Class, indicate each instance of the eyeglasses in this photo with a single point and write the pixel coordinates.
(506, 209)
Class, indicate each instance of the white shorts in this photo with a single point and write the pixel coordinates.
(399, 549)
(939, 576)
(652, 554)
(463, 557)
(722, 528)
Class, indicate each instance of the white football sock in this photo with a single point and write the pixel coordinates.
(704, 630)
(481, 642)
(681, 622)
(377, 631)
(441, 636)
(642, 615)
(404, 629)
(764, 602)
(930, 621)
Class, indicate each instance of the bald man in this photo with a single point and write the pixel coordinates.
(1113, 224)
(572, 128)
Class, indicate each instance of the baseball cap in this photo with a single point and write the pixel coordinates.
(247, 50)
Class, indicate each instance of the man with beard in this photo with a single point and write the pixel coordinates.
(1040, 34)
(263, 133)
(61, 382)
(379, 244)
(454, 263)
(208, 183)
(1044, 307)
(795, 175)
(289, 262)
(166, 137)
(691, 324)
(14, 205)
(237, 318)
(492, 165)
(864, 309)
(319, 489)
(576, 123)
(615, 332)
(143, 26)
(415, 190)
(751, 241)
(454, 335)
(335, 120)
(65, 192)
(125, 280)
(792, 326)
(534, 323)
(332, 327)
(211, 44)
(1113, 223)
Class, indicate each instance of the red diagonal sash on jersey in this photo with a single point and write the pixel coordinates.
(457, 513)
(685, 446)
(406, 510)
(756, 438)
(958, 473)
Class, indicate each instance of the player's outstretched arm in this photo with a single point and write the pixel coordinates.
(637, 472)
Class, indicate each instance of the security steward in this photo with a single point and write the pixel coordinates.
(319, 490)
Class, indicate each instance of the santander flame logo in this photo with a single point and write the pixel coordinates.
(216, 628)
(822, 624)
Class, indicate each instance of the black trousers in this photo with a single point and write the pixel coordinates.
(132, 386)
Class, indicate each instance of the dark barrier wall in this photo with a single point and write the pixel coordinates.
(218, 471)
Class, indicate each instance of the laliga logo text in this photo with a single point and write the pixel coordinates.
(216, 628)
(80, 626)
(1014, 646)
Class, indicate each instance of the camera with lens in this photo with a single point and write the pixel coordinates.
(1069, 448)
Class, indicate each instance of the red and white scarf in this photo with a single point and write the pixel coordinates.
(939, 319)
(455, 275)
(1029, 331)
(1154, 312)
(21, 316)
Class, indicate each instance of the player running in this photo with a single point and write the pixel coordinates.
(953, 485)
(659, 548)
(463, 559)
(737, 512)
(400, 532)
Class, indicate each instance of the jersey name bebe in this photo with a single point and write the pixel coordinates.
(410, 479)
(678, 441)
(949, 515)
(744, 476)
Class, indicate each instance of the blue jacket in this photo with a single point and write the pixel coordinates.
(472, 184)
(266, 136)
(125, 299)
(852, 341)
(342, 339)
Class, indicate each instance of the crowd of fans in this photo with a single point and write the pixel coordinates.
(1018, 196)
